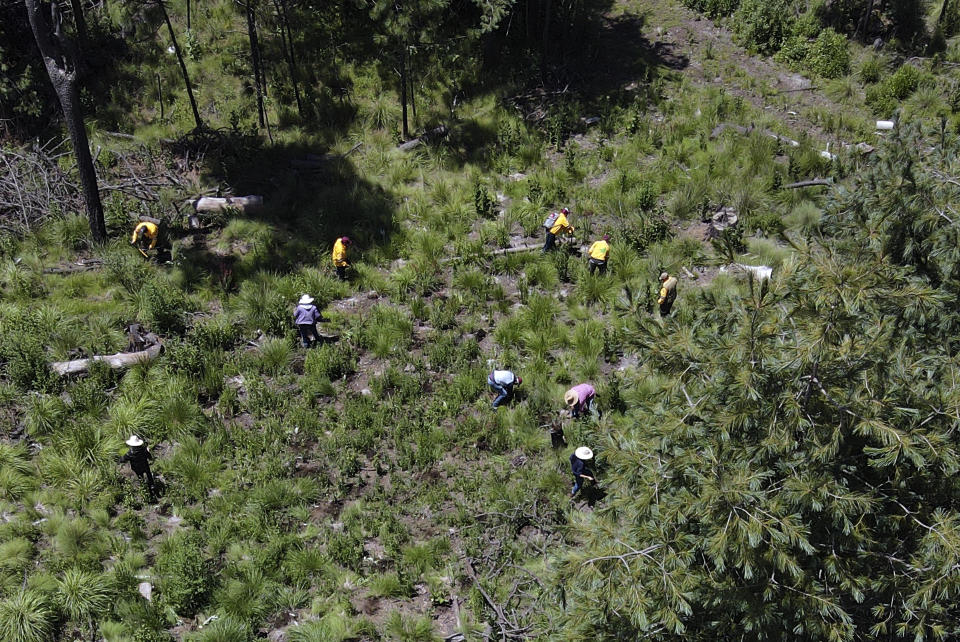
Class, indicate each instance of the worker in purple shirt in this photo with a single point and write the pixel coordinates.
(306, 316)
(580, 399)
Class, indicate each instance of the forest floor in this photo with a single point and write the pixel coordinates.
(496, 496)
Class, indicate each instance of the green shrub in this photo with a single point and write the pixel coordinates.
(275, 354)
(26, 616)
(330, 361)
(126, 267)
(760, 25)
(713, 8)
(185, 574)
(163, 307)
(879, 100)
(390, 585)
(224, 629)
(346, 550)
(829, 55)
(871, 69)
(883, 98)
(903, 82)
(26, 361)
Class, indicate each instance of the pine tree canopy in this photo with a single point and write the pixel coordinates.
(788, 469)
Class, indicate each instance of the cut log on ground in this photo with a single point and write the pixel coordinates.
(811, 183)
(115, 361)
(722, 127)
(243, 204)
(759, 272)
(149, 219)
(427, 137)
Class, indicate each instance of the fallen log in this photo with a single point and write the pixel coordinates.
(427, 137)
(811, 183)
(719, 129)
(115, 361)
(243, 204)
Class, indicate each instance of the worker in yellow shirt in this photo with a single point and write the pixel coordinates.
(560, 226)
(340, 256)
(668, 293)
(599, 253)
(145, 236)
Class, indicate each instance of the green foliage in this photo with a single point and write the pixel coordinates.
(26, 617)
(22, 351)
(871, 69)
(482, 202)
(185, 573)
(713, 8)
(829, 55)
(330, 361)
(162, 306)
(884, 97)
(761, 25)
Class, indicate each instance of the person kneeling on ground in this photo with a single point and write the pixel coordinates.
(560, 226)
(340, 256)
(145, 236)
(502, 382)
(139, 458)
(306, 316)
(599, 253)
(578, 464)
(580, 399)
(668, 293)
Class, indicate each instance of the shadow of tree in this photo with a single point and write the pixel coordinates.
(304, 210)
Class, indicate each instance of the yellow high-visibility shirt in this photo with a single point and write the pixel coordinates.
(561, 224)
(340, 254)
(600, 250)
(668, 291)
(149, 230)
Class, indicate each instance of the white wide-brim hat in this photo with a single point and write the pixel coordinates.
(583, 453)
(134, 441)
(306, 299)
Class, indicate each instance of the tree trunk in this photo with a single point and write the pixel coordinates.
(413, 96)
(286, 38)
(403, 90)
(188, 14)
(61, 68)
(115, 361)
(255, 58)
(183, 65)
(546, 40)
(863, 25)
(79, 20)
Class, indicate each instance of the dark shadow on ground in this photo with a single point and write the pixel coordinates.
(616, 69)
(305, 209)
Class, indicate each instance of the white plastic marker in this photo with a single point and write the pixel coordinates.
(884, 124)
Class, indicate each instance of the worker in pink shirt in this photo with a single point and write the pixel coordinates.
(580, 399)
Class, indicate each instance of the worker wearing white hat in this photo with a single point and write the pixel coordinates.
(306, 316)
(139, 458)
(578, 464)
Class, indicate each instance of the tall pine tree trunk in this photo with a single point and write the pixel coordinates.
(255, 59)
(62, 70)
(403, 91)
(546, 39)
(183, 65)
(80, 20)
(286, 37)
